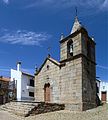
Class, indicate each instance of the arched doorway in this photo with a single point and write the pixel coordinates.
(47, 92)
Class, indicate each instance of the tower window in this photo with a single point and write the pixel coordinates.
(70, 48)
(47, 67)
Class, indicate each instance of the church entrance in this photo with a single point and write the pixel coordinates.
(47, 92)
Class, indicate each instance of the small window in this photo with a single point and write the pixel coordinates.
(70, 48)
(47, 67)
(32, 82)
(31, 94)
(103, 87)
(47, 77)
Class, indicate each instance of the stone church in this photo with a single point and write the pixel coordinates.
(72, 80)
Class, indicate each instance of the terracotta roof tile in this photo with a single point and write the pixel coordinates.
(4, 79)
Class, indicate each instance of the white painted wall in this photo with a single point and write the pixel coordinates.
(23, 85)
(98, 86)
(103, 88)
(16, 75)
(25, 90)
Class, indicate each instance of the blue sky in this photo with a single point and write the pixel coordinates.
(29, 27)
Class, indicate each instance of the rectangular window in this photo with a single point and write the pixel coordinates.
(103, 87)
(31, 94)
(31, 82)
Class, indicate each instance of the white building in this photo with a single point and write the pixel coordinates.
(24, 84)
(103, 91)
(98, 86)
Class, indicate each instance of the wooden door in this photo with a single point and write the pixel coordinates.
(103, 96)
(1, 99)
(47, 92)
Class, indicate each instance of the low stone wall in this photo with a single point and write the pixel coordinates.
(73, 107)
(46, 107)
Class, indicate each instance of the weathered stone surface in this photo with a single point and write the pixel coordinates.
(72, 81)
(99, 113)
(46, 107)
(18, 108)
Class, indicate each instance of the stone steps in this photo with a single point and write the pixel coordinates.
(18, 108)
(26, 108)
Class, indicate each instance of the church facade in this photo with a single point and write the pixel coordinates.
(72, 81)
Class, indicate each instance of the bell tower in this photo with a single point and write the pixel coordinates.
(77, 42)
(77, 51)
(71, 45)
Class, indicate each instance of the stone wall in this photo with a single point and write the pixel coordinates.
(76, 46)
(72, 83)
(66, 82)
(50, 76)
(46, 107)
(88, 85)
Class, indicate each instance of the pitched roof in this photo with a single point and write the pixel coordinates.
(82, 29)
(52, 60)
(76, 25)
(4, 79)
(24, 73)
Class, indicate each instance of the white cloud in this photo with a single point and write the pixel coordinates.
(4, 70)
(105, 5)
(6, 1)
(60, 4)
(23, 37)
(102, 67)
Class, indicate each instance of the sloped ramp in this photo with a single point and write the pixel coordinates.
(46, 107)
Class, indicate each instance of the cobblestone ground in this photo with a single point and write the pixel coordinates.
(100, 113)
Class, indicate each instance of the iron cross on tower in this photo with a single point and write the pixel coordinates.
(49, 50)
(76, 11)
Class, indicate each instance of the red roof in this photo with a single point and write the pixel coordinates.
(4, 79)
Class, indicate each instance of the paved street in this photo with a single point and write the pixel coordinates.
(100, 113)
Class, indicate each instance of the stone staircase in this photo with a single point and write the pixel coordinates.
(19, 108)
(31, 108)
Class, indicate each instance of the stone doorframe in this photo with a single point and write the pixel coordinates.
(47, 92)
